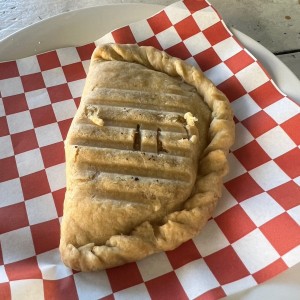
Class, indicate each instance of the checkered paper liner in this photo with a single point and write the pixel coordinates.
(254, 233)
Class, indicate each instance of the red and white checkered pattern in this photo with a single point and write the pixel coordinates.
(255, 228)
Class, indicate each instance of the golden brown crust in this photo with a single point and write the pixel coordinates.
(83, 244)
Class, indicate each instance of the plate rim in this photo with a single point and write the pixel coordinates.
(74, 11)
(236, 33)
(271, 63)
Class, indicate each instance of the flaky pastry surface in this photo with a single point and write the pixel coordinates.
(145, 157)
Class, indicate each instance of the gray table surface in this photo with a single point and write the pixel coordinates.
(273, 23)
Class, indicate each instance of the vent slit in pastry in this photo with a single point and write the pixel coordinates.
(159, 143)
(137, 139)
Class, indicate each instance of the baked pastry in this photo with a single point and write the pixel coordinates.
(145, 157)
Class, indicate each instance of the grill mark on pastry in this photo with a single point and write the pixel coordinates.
(108, 144)
(128, 124)
(167, 127)
(120, 202)
(126, 197)
(137, 171)
(172, 126)
(122, 178)
(153, 111)
(128, 105)
(142, 189)
(91, 128)
(173, 149)
(135, 163)
(134, 194)
(134, 115)
(89, 135)
(85, 174)
(88, 129)
(141, 99)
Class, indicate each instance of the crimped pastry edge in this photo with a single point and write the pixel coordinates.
(178, 226)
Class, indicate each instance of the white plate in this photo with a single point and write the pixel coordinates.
(83, 26)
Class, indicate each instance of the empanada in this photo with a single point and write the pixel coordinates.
(145, 157)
